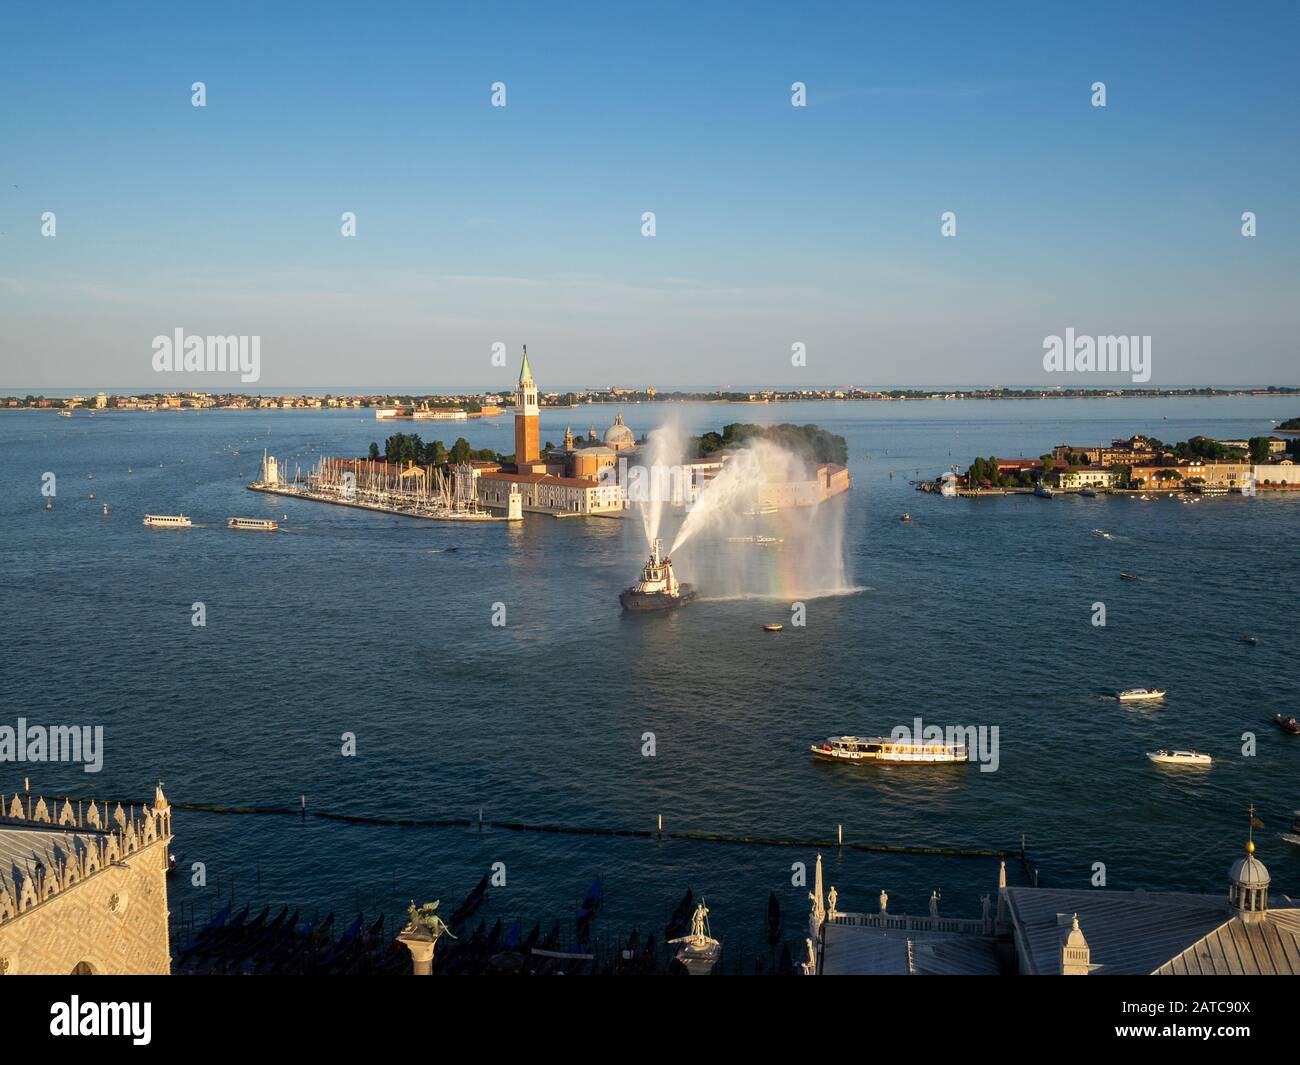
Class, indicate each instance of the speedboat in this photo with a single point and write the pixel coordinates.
(1128, 577)
(1138, 695)
(1287, 724)
(1043, 492)
(1293, 835)
(1088, 492)
(1179, 758)
(773, 626)
(1248, 638)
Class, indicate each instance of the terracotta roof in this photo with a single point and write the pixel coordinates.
(538, 478)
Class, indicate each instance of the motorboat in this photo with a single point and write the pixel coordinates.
(1140, 695)
(1292, 835)
(1287, 724)
(1179, 758)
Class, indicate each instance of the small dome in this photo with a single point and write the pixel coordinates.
(618, 435)
(1249, 872)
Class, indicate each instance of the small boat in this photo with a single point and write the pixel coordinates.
(1293, 835)
(774, 922)
(49, 504)
(905, 518)
(1287, 724)
(1247, 638)
(471, 903)
(773, 626)
(1043, 491)
(881, 749)
(1129, 577)
(168, 521)
(261, 524)
(1088, 492)
(106, 510)
(591, 903)
(1179, 758)
(681, 916)
(1139, 695)
(1103, 534)
(65, 414)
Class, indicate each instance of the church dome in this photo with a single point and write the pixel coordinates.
(1249, 872)
(619, 436)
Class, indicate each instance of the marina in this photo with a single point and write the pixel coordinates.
(370, 485)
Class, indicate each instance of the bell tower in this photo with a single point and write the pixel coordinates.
(528, 441)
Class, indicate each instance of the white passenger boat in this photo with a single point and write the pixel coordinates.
(261, 524)
(882, 749)
(168, 521)
(1179, 758)
(762, 541)
(1140, 695)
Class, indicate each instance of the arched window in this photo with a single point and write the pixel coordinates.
(83, 968)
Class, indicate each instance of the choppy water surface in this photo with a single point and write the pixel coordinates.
(978, 612)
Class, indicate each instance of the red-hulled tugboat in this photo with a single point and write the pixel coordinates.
(658, 588)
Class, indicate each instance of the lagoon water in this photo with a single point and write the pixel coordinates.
(979, 612)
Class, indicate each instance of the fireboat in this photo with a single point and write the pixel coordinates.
(658, 588)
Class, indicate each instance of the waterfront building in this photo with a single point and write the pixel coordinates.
(548, 493)
(1077, 477)
(1281, 474)
(1040, 931)
(83, 890)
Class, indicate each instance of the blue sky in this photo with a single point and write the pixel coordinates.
(775, 224)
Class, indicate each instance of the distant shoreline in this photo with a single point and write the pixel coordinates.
(153, 402)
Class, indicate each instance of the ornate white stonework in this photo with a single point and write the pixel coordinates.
(84, 886)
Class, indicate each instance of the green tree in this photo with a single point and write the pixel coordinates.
(1259, 449)
(374, 451)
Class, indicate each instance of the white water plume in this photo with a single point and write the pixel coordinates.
(663, 453)
(739, 548)
(738, 489)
